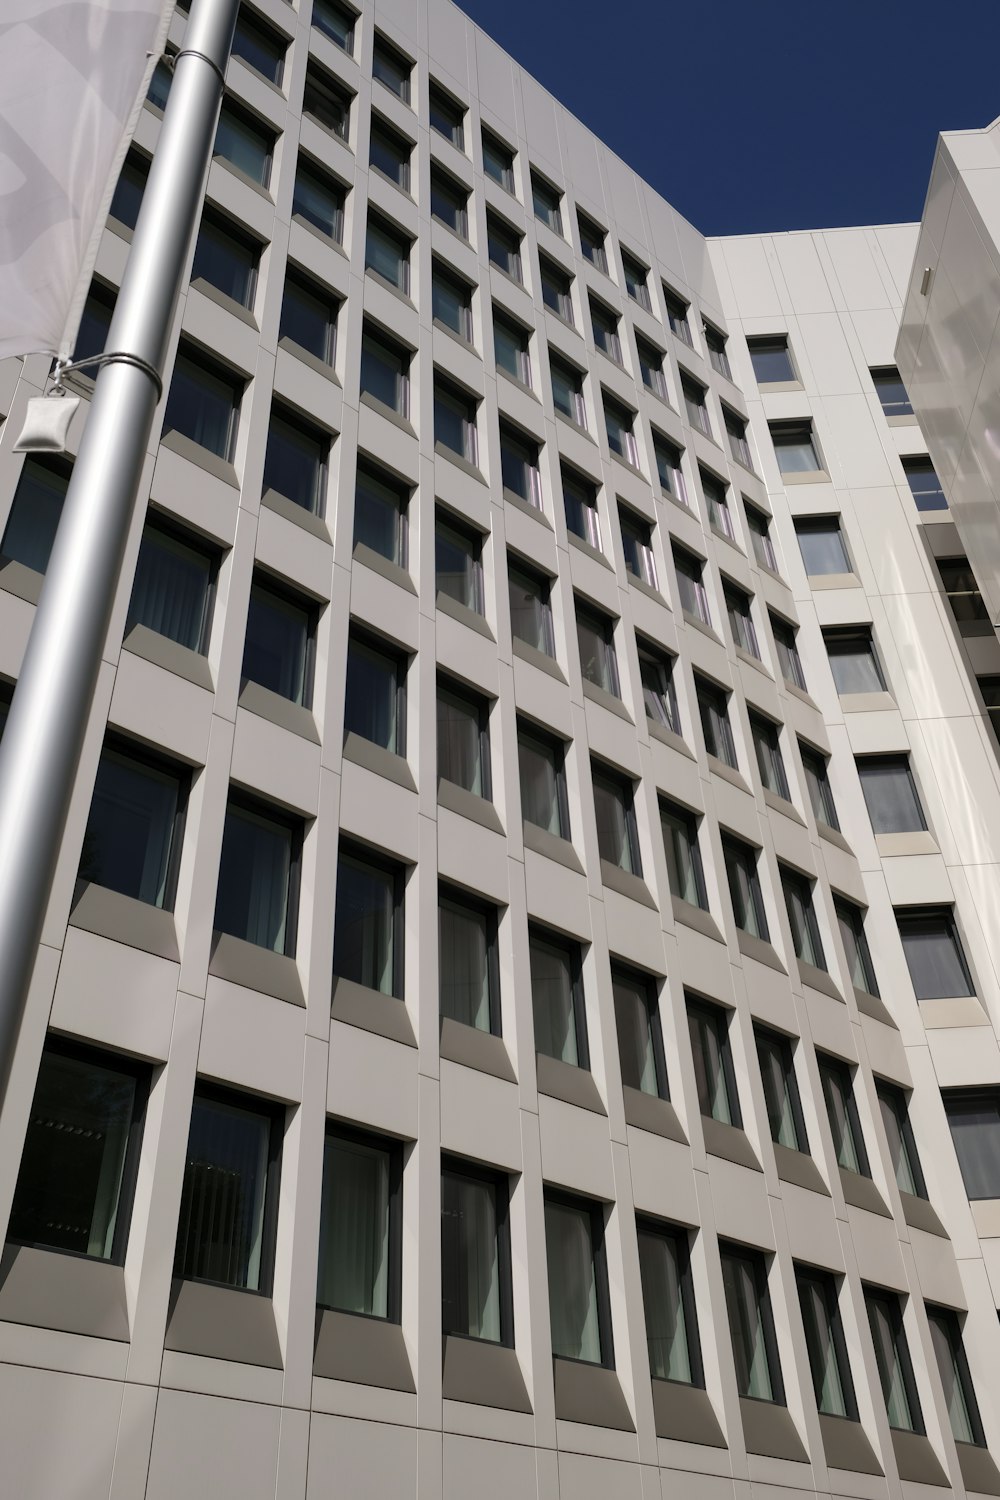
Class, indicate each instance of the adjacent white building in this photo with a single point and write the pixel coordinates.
(518, 1011)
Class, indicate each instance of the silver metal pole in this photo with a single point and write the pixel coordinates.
(43, 738)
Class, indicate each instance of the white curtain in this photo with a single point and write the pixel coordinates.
(354, 1235)
(572, 1283)
(470, 1281)
(666, 1324)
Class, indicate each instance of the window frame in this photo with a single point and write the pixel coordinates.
(593, 241)
(387, 53)
(459, 899)
(122, 747)
(836, 1072)
(681, 1241)
(164, 526)
(683, 819)
(717, 731)
(396, 239)
(766, 736)
(791, 433)
(449, 687)
(761, 541)
(257, 808)
(473, 540)
(446, 106)
(783, 1047)
(828, 526)
(959, 1101)
(323, 88)
(545, 937)
(386, 864)
(796, 885)
(851, 916)
(603, 627)
(540, 587)
(633, 525)
(443, 275)
(448, 393)
(636, 279)
(500, 233)
(891, 1303)
(623, 788)
(756, 1260)
(815, 770)
(677, 315)
(556, 748)
(902, 764)
(945, 912)
(627, 974)
(895, 1101)
(368, 640)
(654, 656)
(370, 473)
(460, 1166)
(501, 156)
(744, 633)
(598, 1229)
(341, 1130)
(580, 498)
(443, 186)
(854, 635)
(947, 1321)
(747, 858)
(779, 342)
(717, 1018)
(826, 1285)
(546, 201)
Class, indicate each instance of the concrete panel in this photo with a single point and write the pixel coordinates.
(203, 1446)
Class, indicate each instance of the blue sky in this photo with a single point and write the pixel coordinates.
(754, 115)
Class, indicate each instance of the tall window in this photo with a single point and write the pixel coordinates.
(260, 47)
(892, 1356)
(717, 499)
(744, 887)
(519, 466)
(668, 469)
(257, 898)
(380, 514)
(476, 1298)
(557, 999)
(680, 844)
(391, 68)
(771, 360)
(891, 794)
(387, 254)
(767, 748)
(498, 161)
(781, 1091)
(385, 371)
(795, 447)
(956, 1379)
(751, 1324)
(617, 832)
(822, 544)
(815, 769)
(694, 404)
(668, 1303)
(78, 1166)
(546, 200)
(760, 537)
(659, 695)
(738, 610)
(891, 391)
(736, 431)
(604, 324)
(619, 424)
(567, 391)
(543, 781)
(360, 1238)
(595, 634)
(934, 953)
(850, 920)
(227, 260)
(716, 342)
(503, 247)
(651, 368)
(708, 1026)
(375, 693)
(829, 1362)
(925, 486)
(34, 515)
(677, 316)
(853, 661)
(226, 1226)
(637, 545)
(592, 243)
(455, 421)
(245, 142)
(318, 199)
(368, 924)
(135, 827)
(579, 1305)
(640, 1039)
(530, 608)
(974, 1118)
(335, 21)
(309, 318)
(295, 462)
(690, 573)
(326, 102)
(468, 968)
(458, 562)
(174, 583)
(580, 503)
(511, 347)
(450, 203)
(129, 189)
(899, 1135)
(968, 607)
(636, 281)
(713, 710)
(203, 402)
(557, 288)
(447, 117)
(842, 1112)
(278, 648)
(463, 740)
(807, 944)
(786, 645)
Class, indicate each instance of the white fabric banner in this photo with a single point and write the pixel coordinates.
(72, 78)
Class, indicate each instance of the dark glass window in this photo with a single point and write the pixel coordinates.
(463, 740)
(450, 203)
(503, 246)
(807, 944)
(651, 368)
(815, 769)
(129, 189)
(278, 650)
(767, 749)
(659, 695)
(694, 404)
(592, 239)
(795, 449)
(786, 645)
(135, 827)
(619, 424)
(260, 47)
(567, 391)
(458, 562)
(557, 285)
(557, 999)
(455, 421)
(447, 117)
(713, 711)
(964, 598)
(375, 696)
(530, 608)
(899, 1136)
(173, 588)
(318, 199)
(760, 537)
(668, 1304)
(890, 794)
(974, 1118)
(708, 1026)
(668, 469)
(309, 318)
(771, 360)
(850, 920)
(203, 403)
(511, 347)
(690, 573)
(744, 887)
(680, 844)
(716, 493)
(295, 461)
(892, 1356)
(579, 1305)
(891, 392)
(829, 1363)
(934, 953)
(738, 612)
(498, 161)
(716, 342)
(822, 544)
(468, 966)
(246, 143)
(781, 1091)
(451, 302)
(385, 371)
(387, 253)
(580, 504)
(736, 431)
(519, 466)
(361, 1231)
(956, 1379)
(326, 101)
(595, 634)
(853, 661)
(604, 324)
(751, 1324)
(617, 833)
(546, 201)
(35, 512)
(677, 316)
(257, 897)
(543, 782)
(636, 281)
(842, 1112)
(226, 259)
(391, 68)
(380, 515)
(368, 924)
(637, 545)
(925, 486)
(640, 1039)
(476, 1300)
(335, 21)
(95, 321)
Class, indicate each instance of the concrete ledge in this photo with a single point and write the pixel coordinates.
(919, 1214)
(690, 915)
(473, 1048)
(861, 1192)
(297, 514)
(24, 582)
(309, 358)
(729, 1142)
(846, 1446)
(871, 1005)
(626, 884)
(222, 1322)
(552, 846)
(606, 700)
(464, 615)
(820, 581)
(468, 805)
(867, 703)
(370, 1010)
(540, 659)
(460, 462)
(388, 412)
(818, 979)
(71, 1293)
(378, 759)
(170, 655)
(255, 968)
(526, 508)
(111, 914)
(759, 949)
(294, 717)
(797, 1167)
(916, 1460)
(590, 1394)
(890, 845)
(384, 566)
(658, 1116)
(685, 1413)
(783, 806)
(728, 773)
(979, 1472)
(986, 1217)
(203, 457)
(366, 1351)
(667, 737)
(833, 836)
(561, 1080)
(963, 1010)
(222, 300)
(768, 1431)
(586, 548)
(482, 1374)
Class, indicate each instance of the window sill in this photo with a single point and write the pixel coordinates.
(614, 878)
(540, 659)
(729, 1142)
(256, 699)
(460, 462)
(607, 700)
(324, 239)
(800, 1169)
(463, 239)
(727, 773)
(222, 1322)
(760, 949)
(221, 468)
(241, 176)
(861, 1192)
(587, 549)
(561, 1080)
(769, 1432)
(576, 427)
(383, 565)
(125, 920)
(551, 846)
(980, 1474)
(70, 1293)
(818, 979)
(388, 412)
(466, 804)
(457, 338)
(782, 805)
(702, 626)
(471, 618)
(21, 581)
(667, 736)
(895, 844)
(811, 476)
(477, 1049)
(590, 1394)
(752, 661)
(526, 507)
(307, 357)
(297, 514)
(919, 1214)
(371, 1010)
(800, 693)
(820, 581)
(846, 1446)
(696, 918)
(516, 383)
(657, 1116)
(255, 968)
(168, 654)
(629, 468)
(833, 836)
(649, 589)
(916, 1460)
(378, 760)
(389, 286)
(685, 1413)
(480, 1373)
(229, 304)
(871, 1005)
(361, 1351)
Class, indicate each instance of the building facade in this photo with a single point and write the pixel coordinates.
(517, 1014)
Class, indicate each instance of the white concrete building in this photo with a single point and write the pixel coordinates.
(518, 1014)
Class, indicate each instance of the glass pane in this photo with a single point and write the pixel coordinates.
(822, 548)
(612, 807)
(854, 667)
(933, 956)
(464, 964)
(372, 696)
(388, 154)
(255, 881)
(667, 1334)
(451, 422)
(378, 518)
(837, 1092)
(386, 256)
(308, 320)
(470, 1269)
(530, 615)
(319, 202)
(293, 465)
(947, 1343)
(859, 961)
(683, 863)
(771, 361)
(93, 331)
(221, 1226)
(68, 1186)
(707, 1041)
(890, 796)
(596, 653)
(569, 1251)
(365, 925)
(887, 1334)
(335, 21)
(354, 1230)
(457, 566)
(821, 1345)
(746, 1328)
(128, 193)
(449, 304)
(658, 692)
(244, 146)
(202, 406)
(893, 1110)
(460, 758)
(744, 890)
(34, 516)
(276, 651)
(172, 589)
(227, 263)
(775, 1064)
(130, 831)
(975, 1130)
(259, 49)
(635, 1035)
(383, 374)
(553, 1002)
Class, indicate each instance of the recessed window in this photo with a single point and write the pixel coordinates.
(807, 945)
(557, 999)
(35, 512)
(744, 887)
(760, 537)
(934, 953)
(956, 1379)
(695, 405)
(245, 143)
(738, 612)
(447, 117)
(134, 831)
(751, 1324)
(716, 493)
(579, 1305)
(822, 544)
(974, 1118)
(458, 562)
(309, 317)
(476, 1299)
(815, 769)
(173, 588)
(545, 201)
(668, 1304)
(592, 243)
(786, 645)
(892, 1356)
(899, 1136)
(463, 739)
(595, 634)
(677, 316)
(389, 153)
(391, 68)
(851, 922)
(842, 1112)
(326, 102)
(530, 608)
(781, 1091)
(278, 648)
(380, 514)
(853, 661)
(736, 431)
(361, 1231)
(640, 1041)
(637, 546)
(451, 302)
(690, 571)
(771, 360)
(567, 390)
(504, 247)
(295, 461)
(557, 288)
(375, 695)
(617, 831)
(131, 185)
(925, 486)
(651, 368)
(511, 347)
(829, 1362)
(387, 253)
(257, 897)
(668, 469)
(81, 1150)
(203, 402)
(519, 466)
(385, 371)
(716, 341)
(713, 710)
(795, 447)
(708, 1026)
(226, 259)
(368, 924)
(229, 1197)
(891, 391)
(260, 47)
(965, 601)
(766, 736)
(604, 324)
(318, 199)
(659, 694)
(580, 502)
(455, 420)
(636, 281)
(541, 766)
(450, 203)
(468, 966)
(498, 161)
(891, 794)
(335, 21)
(680, 845)
(989, 687)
